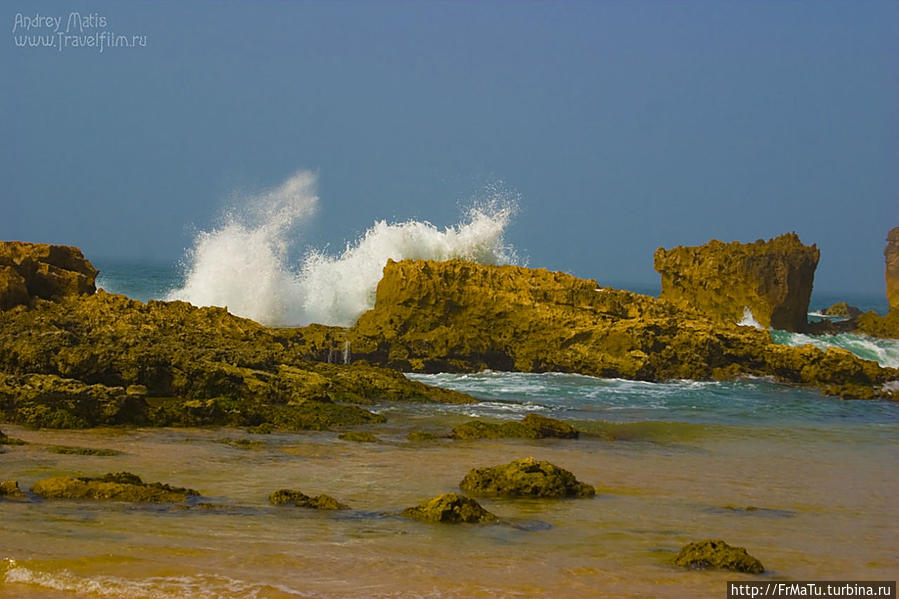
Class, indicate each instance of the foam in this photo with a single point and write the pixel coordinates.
(243, 264)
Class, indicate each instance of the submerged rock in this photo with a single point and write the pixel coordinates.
(525, 478)
(771, 278)
(10, 488)
(532, 426)
(67, 450)
(299, 499)
(417, 436)
(450, 508)
(118, 486)
(702, 555)
(359, 437)
(41, 270)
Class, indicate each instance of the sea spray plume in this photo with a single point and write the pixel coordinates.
(241, 264)
(338, 289)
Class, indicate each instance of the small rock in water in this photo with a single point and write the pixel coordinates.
(118, 486)
(525, 478)
(703, 555)
(450, 508)
(299, 499)
(10, 488)
(532, 426)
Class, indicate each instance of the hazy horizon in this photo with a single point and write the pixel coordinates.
(621, 127)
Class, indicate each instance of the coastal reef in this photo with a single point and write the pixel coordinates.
(118, 486)
(103, 359)
(773, 279)
(457, 316)
(32, 270)
(527, 477)
(703, 555)
(450, 508)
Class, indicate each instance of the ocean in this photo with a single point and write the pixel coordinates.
(806, 483)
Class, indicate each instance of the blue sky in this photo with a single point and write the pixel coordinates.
(622, 125)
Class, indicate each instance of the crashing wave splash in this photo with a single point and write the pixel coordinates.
(243, 264)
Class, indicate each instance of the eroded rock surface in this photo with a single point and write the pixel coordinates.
(30, 270)
(772, 278)
(300, 499)
(118, 486)
(532, 426)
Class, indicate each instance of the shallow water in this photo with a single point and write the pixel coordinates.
(825, 488)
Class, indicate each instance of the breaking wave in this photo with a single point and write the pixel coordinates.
(883, 351)
(244, 263)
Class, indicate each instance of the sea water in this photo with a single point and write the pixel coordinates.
(806, 483)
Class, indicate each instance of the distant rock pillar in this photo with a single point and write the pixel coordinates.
(891, 254)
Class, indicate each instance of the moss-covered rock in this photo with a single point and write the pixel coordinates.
(421, 436)
(450, 508)
(771, 278)
(891, 257)
(299, 499)
(245, 444)
(10, 488)
(359, 437)
(118, 486)
(524, 478)
(842, 309)
(532, 426)
(871, 323)
(707, 554)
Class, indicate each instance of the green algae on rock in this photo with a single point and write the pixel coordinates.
(420, 436)
(702, 555)
(118, 486)
(532, 426)
(246, 444)
(773, 279)
(450, 508)
(843, 309)
(299, 499)
(527, 477)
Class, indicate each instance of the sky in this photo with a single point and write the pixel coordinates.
(622, 126)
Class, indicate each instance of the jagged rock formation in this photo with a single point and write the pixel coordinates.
(703, 555)
(67, 363)
(525, 478)
(458, 316)
(29, 270)
(772, 278)
(870, 323)
(450, 508)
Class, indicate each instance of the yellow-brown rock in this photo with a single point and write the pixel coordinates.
(459, 316)
(891, 254)
(772, 278)
(29, 270)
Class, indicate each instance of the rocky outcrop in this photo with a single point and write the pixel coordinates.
(104, 359)
(532, 426)
(300, 499)
(458, 316)
(870, 323)
(450, 508)
(841, 309)
(10, 488)
(29, 270)
(119, 486)
(525, 478)
(773, 279)
(703, 555)
(891, 255)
